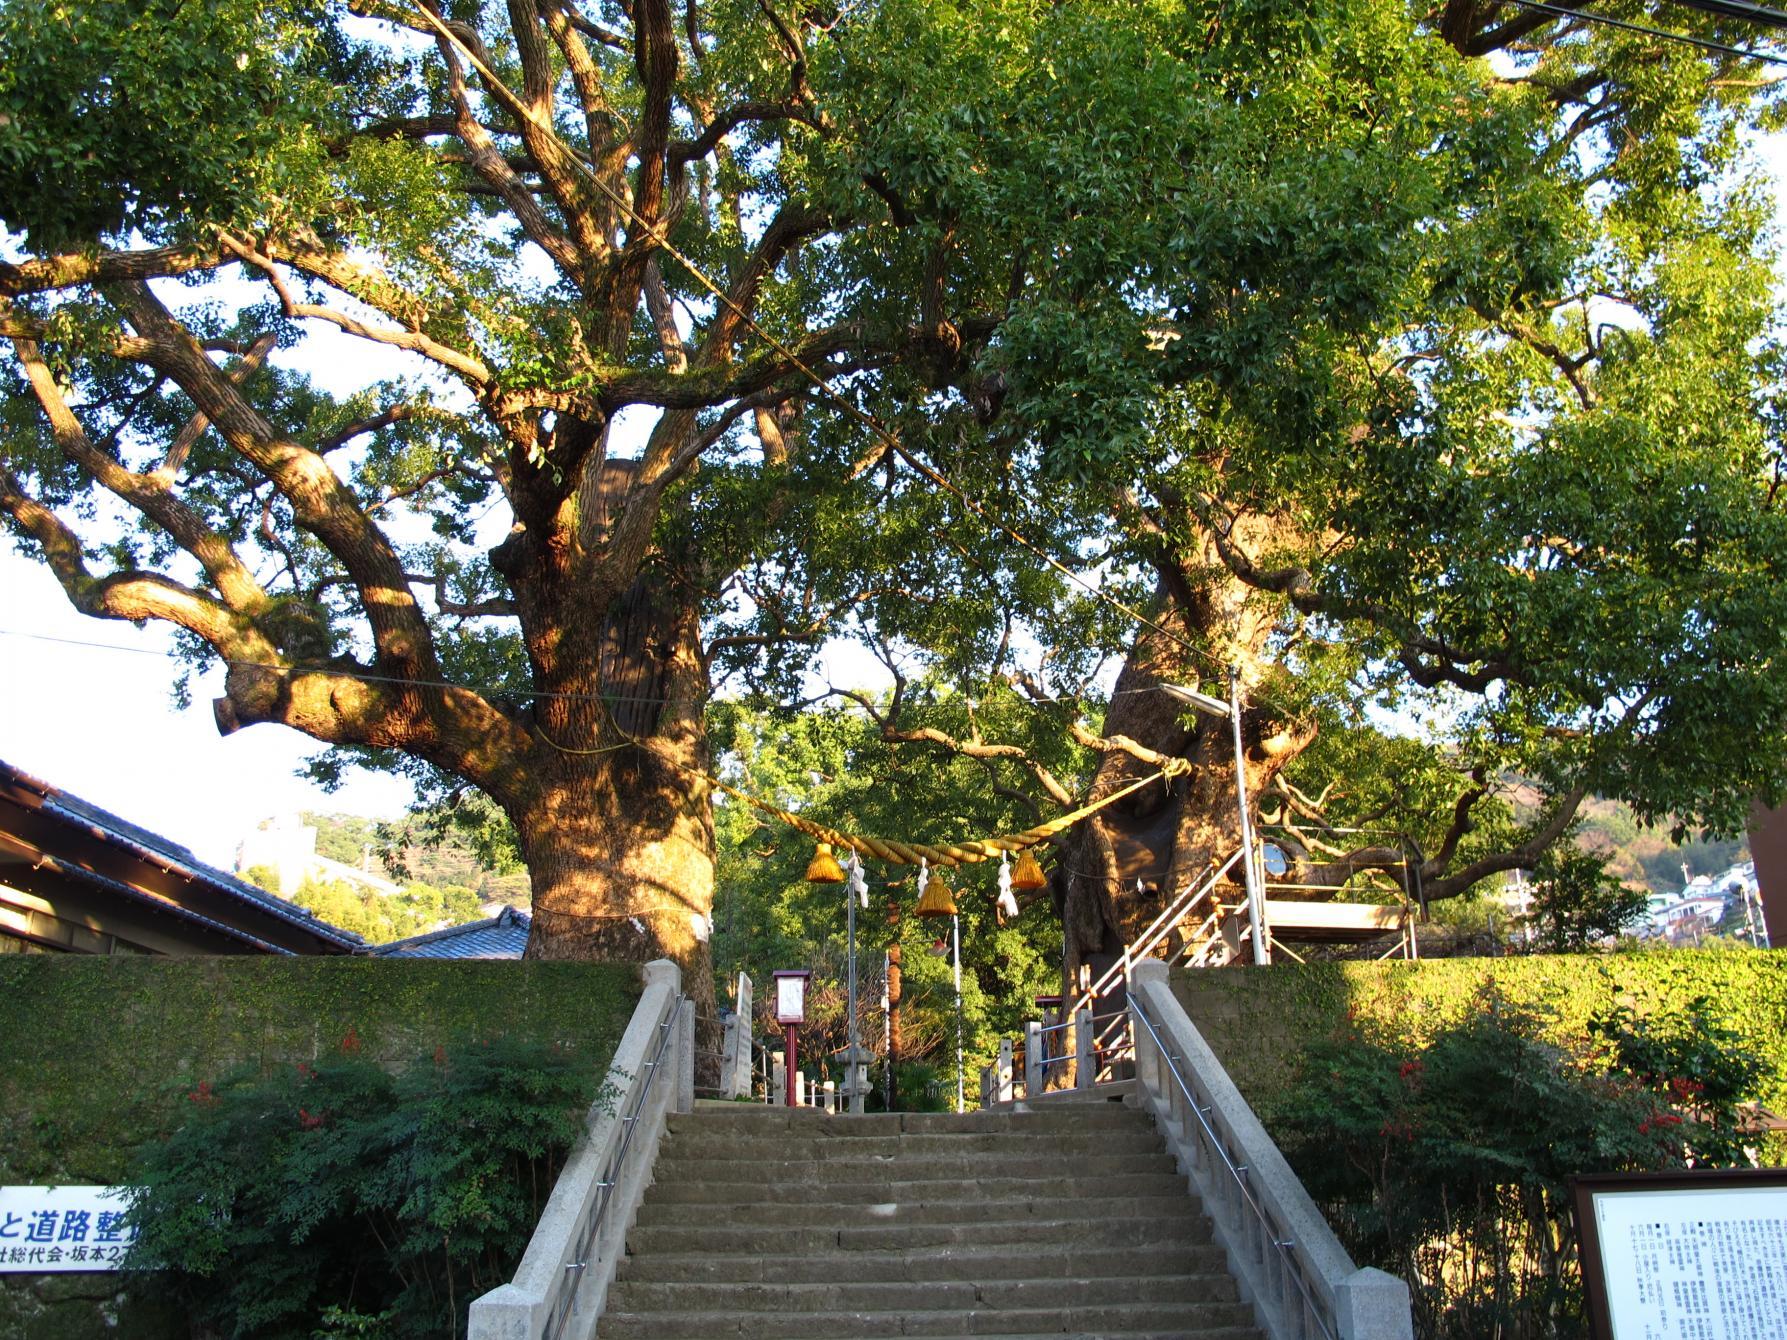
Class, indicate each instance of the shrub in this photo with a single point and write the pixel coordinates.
(1448, 1162)
(343, 1200)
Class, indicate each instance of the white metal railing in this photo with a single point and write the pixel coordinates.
(999, 1082)
(1301, 1281)
(570, 1261)
(1156, 932)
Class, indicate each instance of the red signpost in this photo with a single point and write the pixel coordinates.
(791, 1013)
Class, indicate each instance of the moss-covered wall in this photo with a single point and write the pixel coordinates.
(97, 1055)
(1257, 1022)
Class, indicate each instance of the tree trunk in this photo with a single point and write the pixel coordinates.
(1121, 868)
(616, 825)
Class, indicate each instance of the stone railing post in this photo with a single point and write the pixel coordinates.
(736, 1083)
(1035, 1071)
(1085, 1063)
(685, 1057)
(1371, 1303)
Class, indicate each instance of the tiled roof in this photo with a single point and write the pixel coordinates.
(142, 845)
(501, 936)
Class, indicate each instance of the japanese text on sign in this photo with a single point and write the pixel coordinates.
(62, 1228)
(1695, 1265)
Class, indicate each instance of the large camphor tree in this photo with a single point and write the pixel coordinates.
(1397, 355)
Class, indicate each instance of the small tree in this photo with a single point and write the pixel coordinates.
(1577, 903)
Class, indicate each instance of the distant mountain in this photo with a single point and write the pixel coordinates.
(393, 851)
(1646, 855)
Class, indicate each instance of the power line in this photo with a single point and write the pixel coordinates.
(1706, 5)
(399, 681)
(1738, 9)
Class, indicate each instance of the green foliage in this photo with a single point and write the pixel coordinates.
(1703, 1073)
(102, 1051)
(340, 1195)
(1448, 1159)
(1259, 1023)
(835, 768)
(1577, 904)
(152, 118)
(379, 918)
(428, 849)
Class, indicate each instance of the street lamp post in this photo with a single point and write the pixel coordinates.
(955, 931)
(1216, 707)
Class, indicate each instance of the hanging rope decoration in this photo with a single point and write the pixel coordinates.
(886, 849)
(955, 853)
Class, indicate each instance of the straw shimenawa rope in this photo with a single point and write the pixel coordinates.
(886, 849)
(955, 853)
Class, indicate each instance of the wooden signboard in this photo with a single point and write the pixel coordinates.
(1694, 1255)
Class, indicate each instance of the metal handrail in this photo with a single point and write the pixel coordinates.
(1284, 1246)
(559, 1314)
(1143, 945)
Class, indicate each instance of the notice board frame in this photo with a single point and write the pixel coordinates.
(1585, 1187)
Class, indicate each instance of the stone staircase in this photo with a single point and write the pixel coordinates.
(764, 1222)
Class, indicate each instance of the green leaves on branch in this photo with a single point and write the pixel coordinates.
(342, 1188)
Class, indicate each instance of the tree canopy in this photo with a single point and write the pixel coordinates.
(1420, 361)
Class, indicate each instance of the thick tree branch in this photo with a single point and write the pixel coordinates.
(1525, 855)
(488, 162)
(42, 274)
(148, 493)
(468, 368)
(195, 427)
(130, 595)
(321, 503)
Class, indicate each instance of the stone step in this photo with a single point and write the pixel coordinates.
(702, 1145)
(939, 1263)
(1097, 1319)
(825, 1211)
(922, 1188)
(673, 1167)
(904, 1296)
(1077, 1118)
(1202, 1333)
(1099, 1228)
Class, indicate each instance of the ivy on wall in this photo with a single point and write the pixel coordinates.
(1259, 1023)
(99, 1056)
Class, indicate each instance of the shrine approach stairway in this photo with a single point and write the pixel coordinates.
(769, 1222)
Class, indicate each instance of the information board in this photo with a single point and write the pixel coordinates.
(47, 1229)
(1685, 1256)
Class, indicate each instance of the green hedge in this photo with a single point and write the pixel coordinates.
(97, 1056)
(1258, 1022)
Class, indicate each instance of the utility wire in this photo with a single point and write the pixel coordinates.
(1707, 6)
(488, 690)
(1738, 9)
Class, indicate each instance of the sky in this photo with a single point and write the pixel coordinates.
(87, 705)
